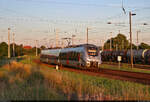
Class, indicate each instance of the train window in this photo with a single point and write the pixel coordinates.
(74, 55)
(61, 56)
(77, 56)
(71, 55)
(92, 51)
(65, 56)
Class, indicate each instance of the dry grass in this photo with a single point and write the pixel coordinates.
(25, 82)
(73, 88)
(20, 81)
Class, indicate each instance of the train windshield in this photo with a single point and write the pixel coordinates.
(92, 51)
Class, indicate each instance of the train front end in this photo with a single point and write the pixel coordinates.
(93, 57)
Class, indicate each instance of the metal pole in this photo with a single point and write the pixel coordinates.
(137, 39)
(56, 37)
(36, 48)
(122, 44)
(73, 39)
(62, 43)
(116, 47)
(8, 42)
(131, 39)
(13, 45)
(87, 34)
(110, 41)
(102, 45)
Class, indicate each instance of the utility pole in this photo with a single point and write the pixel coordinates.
(87, 35)
(130, 21)
(122, 44)
(73, 39)
(62, 43)
(138, 40)
(116, 47)
(36, 47)
(56, 33)
(8, 42)
(13, 44)
(110, 41)
(102, 41)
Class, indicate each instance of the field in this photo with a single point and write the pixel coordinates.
(26, 80)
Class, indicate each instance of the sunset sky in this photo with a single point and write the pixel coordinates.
(32, 20)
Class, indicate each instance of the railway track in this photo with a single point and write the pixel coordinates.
(140, 66)
(108, 73)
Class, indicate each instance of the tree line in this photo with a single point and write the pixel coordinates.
(120, 42)
(19, 50)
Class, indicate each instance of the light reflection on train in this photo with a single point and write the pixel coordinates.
(80, 56)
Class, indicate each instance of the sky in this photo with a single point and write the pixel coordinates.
(32, 20)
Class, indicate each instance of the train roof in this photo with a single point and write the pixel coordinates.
(81, 45)
(72, 46)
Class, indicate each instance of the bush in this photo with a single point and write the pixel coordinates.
(35, 77)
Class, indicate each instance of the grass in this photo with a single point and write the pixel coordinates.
(26, 80)
(6, 60)
(125, 67)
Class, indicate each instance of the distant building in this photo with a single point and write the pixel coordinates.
(27, 47)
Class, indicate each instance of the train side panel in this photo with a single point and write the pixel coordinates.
(50, 56)
(72, 56)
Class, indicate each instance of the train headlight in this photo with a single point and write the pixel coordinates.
(88, 64)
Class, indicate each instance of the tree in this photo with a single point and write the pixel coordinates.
(119, 42)
(42, 47)
(19, 50)
(144, 46)
(3, 49)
